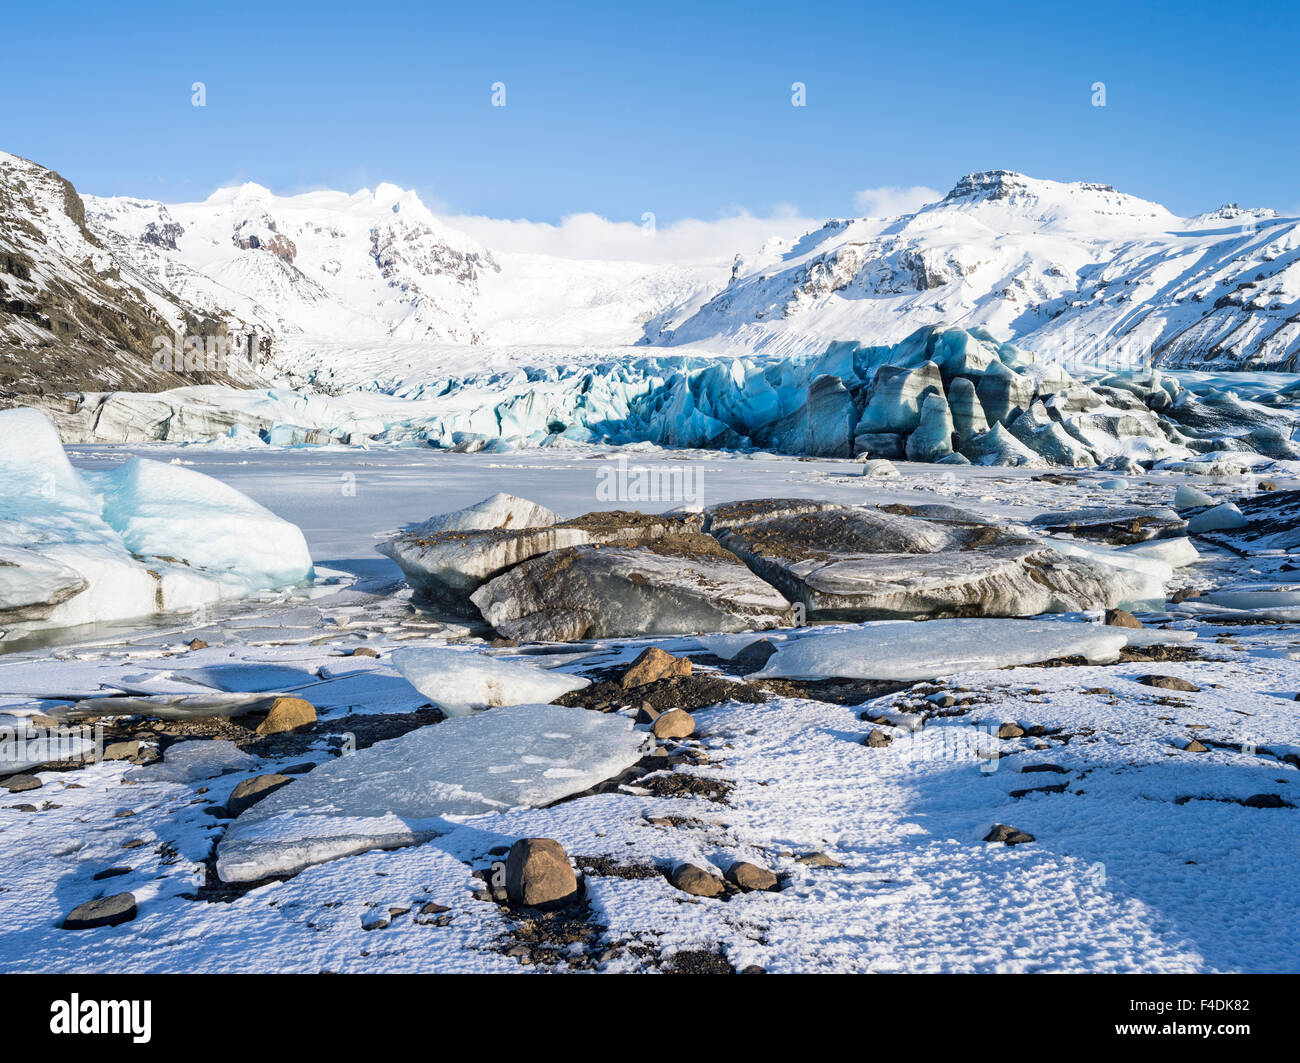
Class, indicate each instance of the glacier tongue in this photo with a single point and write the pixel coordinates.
(398, 792)
(946, 395)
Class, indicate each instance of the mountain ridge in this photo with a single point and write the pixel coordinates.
(1078, 271)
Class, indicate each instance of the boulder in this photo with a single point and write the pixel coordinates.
(678, 585)
(1122, 618)
(538, 874)
(287, 714)
(675, 723)
(103, 911)
(696, 881)
(749, 876)
(654, 663)
(1168, 682)
(444, 568)
(251, 791)
(1008, 835)
(1117, 525)
(864, 564)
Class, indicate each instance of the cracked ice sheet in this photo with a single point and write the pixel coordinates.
(402, 791)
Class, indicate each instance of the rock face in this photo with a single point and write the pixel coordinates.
(538, 874)
(71, 318)
(676, 585)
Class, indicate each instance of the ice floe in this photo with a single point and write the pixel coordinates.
(399, 792)
(923, 650)
(460, 681)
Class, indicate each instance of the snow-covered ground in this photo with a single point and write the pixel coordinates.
(1144, 856)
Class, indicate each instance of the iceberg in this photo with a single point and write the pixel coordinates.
(145, 538)
(398, 792)
(1226, 517)
(460, 681)
(912, 651)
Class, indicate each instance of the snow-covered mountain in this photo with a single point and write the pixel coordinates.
(1076, 271)
(380, 266)
(353, 289)
(73, 315)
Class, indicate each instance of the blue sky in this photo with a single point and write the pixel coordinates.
(680, 109)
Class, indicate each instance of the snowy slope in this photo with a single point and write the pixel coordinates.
(1077, 271)
(378, 265)
(72, 314)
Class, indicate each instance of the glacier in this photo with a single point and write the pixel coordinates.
(940, 395)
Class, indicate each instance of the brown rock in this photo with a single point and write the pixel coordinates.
(198, 644)
(502, 644)
(1267, 485)
(122, 750)
(652, 664)
(675, 723)
(818, 860)
(1168, 682)
(696, 881)
(1195, 747)
(538, 874)
(877, 739)
(251, 791)
(1122, 618)
(1011, 730)
(750, 876)
(18, 784)
(364, 651)
(287, 714)
(1008, 835)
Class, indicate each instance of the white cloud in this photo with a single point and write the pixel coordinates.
(589, 236)
(889, 201)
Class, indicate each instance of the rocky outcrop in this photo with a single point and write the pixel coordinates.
(73, 316)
